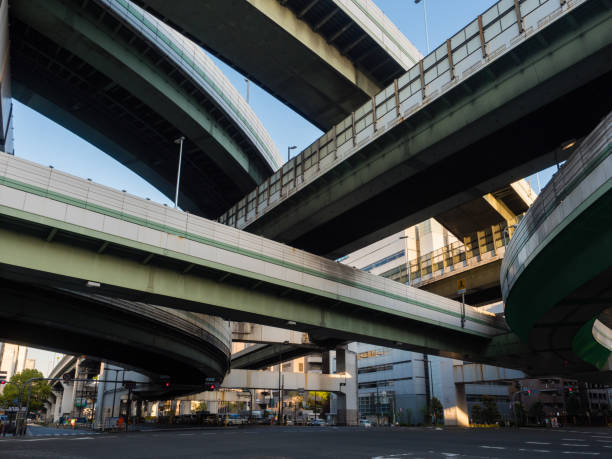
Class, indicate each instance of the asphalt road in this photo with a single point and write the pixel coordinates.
(263, 442)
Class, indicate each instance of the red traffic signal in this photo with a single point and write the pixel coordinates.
(212, 387)
(2, 382)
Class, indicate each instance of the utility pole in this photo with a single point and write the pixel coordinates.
(246, 80)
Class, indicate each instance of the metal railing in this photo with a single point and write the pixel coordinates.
(595, 148)
(477, 247)
(194, 61)
(492, 34)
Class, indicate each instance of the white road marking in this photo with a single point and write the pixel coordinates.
(580, 452)
(538, 442)
(574, 444)
(604, 441)
(82, 438)
(602, 436)
(449, 454)
(534, 450)
(40, 439)
(185, 434)
(572, 439)
(492, 447)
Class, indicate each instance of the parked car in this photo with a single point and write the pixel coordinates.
(235, 420)
(364, 423)
(317, 422)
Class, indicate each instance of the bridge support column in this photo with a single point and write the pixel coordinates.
(57, 406)
(185, 407)
(346, 400)
(67, 398)
(452, 396)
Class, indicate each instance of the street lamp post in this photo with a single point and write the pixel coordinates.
(425, 17)
(178, 173)
(246, 80)
(293, 147)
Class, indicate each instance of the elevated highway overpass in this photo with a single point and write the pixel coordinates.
(130, 85)
(156, 341)
(323, 58)
(557, 273)
(61, 231)
(511, 93)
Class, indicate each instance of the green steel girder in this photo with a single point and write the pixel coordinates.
(59, 264)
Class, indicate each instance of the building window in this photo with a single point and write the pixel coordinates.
(375, 368)
(301, 367)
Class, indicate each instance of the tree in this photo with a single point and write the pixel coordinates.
(476, 413)
(19, 381)
(490, 413)
(436, 410)
(537, 411)
(200, 406)
(519, 413)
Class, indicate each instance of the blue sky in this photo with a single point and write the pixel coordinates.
(42, 141)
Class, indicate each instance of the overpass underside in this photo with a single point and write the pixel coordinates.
(310, 54)
(484, 129)
(85, 67)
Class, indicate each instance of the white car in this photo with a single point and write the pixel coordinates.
(364, 423)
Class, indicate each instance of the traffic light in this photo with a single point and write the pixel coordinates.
(528, 391)
(2, 382)
(166, 384)
(212, 387)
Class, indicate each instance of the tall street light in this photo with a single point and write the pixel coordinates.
(246, 80)
(178, 173)
(425, 17)
(293, 147)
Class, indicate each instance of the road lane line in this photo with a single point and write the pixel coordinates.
(586, 453)
(572, 439)
(41, 439)
(574, 444)
(492, 447)
(530, 450)
(538, 442)
(81, 438)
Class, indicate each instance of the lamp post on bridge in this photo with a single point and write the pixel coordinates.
(179, 141)
(425, 18)
(293, 147)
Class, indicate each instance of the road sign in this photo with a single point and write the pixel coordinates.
(461, 286)
(66, 377)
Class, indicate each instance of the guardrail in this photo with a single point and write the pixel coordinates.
(194, 61)
(238, 250)
(491, 35)
(595, 148)
(484, 245)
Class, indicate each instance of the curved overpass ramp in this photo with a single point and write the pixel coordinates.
(130, 85)
(323, 58)
(557, 273)
(156, 341)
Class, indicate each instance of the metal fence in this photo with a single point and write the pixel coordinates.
(595, 148)
(492, 34)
